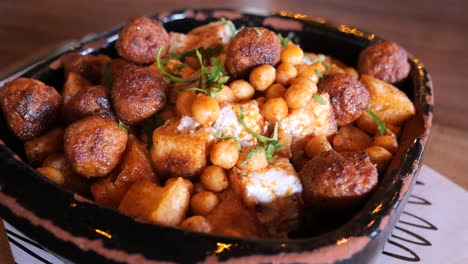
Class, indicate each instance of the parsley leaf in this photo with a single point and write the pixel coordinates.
(319, 99)
(380, 124)
(270, 145)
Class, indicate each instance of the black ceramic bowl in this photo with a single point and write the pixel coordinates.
(82, 231)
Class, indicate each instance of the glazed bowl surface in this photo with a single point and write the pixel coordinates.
(79, 230)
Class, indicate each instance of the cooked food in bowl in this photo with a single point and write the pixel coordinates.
(238, 132)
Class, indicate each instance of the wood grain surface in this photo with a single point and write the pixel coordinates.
(435, 31)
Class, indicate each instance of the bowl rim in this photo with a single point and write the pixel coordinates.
(371, 220)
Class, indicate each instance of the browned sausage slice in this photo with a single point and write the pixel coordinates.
(252, 47)
(348, 97)
(386, 61)
(137, 94)
(140, 39)
(336, 181)
(94, 145)
(30, 107)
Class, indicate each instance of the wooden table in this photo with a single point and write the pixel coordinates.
(433, 30)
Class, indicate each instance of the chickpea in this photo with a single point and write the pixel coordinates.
(52, 174)
(197, 223)
(214, 178)
(184, 102)
(256, 161)
(350, 138)
(317, 145)
(394, 129)
(298, 96)
(310, 71)
(379, 156)
(275, 109)
(203, 203)
(242, 90)
(292, 54)
(225, 154)
(262, 77)
(225, 95)
(285, 72)
(300, 80)
(205, 109)
(275, 90)
(387, 142)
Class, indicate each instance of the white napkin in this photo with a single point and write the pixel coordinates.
(433, 228)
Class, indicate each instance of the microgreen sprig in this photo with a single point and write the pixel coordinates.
(270, 145)
(169, 75)
(250, 154)
(123, 126)
(380, 124)
(227, 137)
(319, 99)
(259, 33)
(284, 41)
(210, 82)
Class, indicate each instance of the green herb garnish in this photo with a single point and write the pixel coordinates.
(284, 41)
(328, 67)
(210, 82)
(319, 99)
(123, 126)
(107, 76)
(270, 145)
(250, 155)
(227, 137)
(206, 53)
(380, 124)
(150, 125)
(260, 33)
(319, 74)
(172, 77)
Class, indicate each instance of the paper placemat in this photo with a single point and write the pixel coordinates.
(433, 228)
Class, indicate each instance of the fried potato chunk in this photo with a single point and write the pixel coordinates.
(387, 101)
(275, 192)
(135, 166)
(180, 148)
(232, 218)
(38, 149)
(161, 205)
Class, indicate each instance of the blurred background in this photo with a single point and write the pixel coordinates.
(435, 31)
